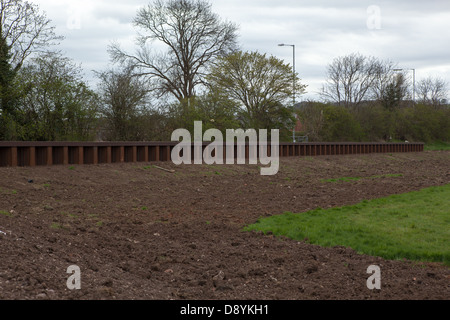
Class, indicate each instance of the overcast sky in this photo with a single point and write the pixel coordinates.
(413, 34)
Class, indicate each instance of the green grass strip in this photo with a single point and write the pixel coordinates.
(437, 146)
(414, 226)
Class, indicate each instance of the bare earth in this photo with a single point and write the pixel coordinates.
(138, 232)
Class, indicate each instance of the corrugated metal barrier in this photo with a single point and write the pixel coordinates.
(24, 154)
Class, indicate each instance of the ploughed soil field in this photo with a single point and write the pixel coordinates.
(139, 232)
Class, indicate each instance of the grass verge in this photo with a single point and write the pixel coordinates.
(436, 146)
(412, 226)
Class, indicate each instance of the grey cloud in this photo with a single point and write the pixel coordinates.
(413, 33)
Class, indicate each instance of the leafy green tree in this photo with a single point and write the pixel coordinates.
(212, 109)
(340, 125)
(262, 87)
(394, 93)
(424, 123)
(7, 75)
(216, 112)
(375, 121)
(55, 103)
(23, 31)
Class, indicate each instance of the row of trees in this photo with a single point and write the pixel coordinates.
(369, 99)
(42, 93)
(354, 79)
(202, 75)
(374, 122)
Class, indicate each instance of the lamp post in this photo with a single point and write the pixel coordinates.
(414, 81)
(293, 67)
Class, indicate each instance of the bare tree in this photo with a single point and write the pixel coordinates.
(352, 79)
(432, 91)
(386, 77)
(122, 97)
(24, 30)
(390, 89)
(193, 35)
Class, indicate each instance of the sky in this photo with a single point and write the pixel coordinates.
(412, 34)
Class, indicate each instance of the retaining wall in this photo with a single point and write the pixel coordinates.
(23, 154)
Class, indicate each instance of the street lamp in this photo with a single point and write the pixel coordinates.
(414, 81)
(293, 67)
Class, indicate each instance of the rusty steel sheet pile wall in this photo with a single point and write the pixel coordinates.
(22, 154)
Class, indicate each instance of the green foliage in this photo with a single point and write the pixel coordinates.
(214, 110)
(437, 145)
(373, 121)
(5, 213)
(24, 32)
(412, 226)
(261, 86)
(377, 121)
(426, 123)
(328, 122)
(52, 102)
(7, 74)
(394, 92)
(9, 128)
(340, 125)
